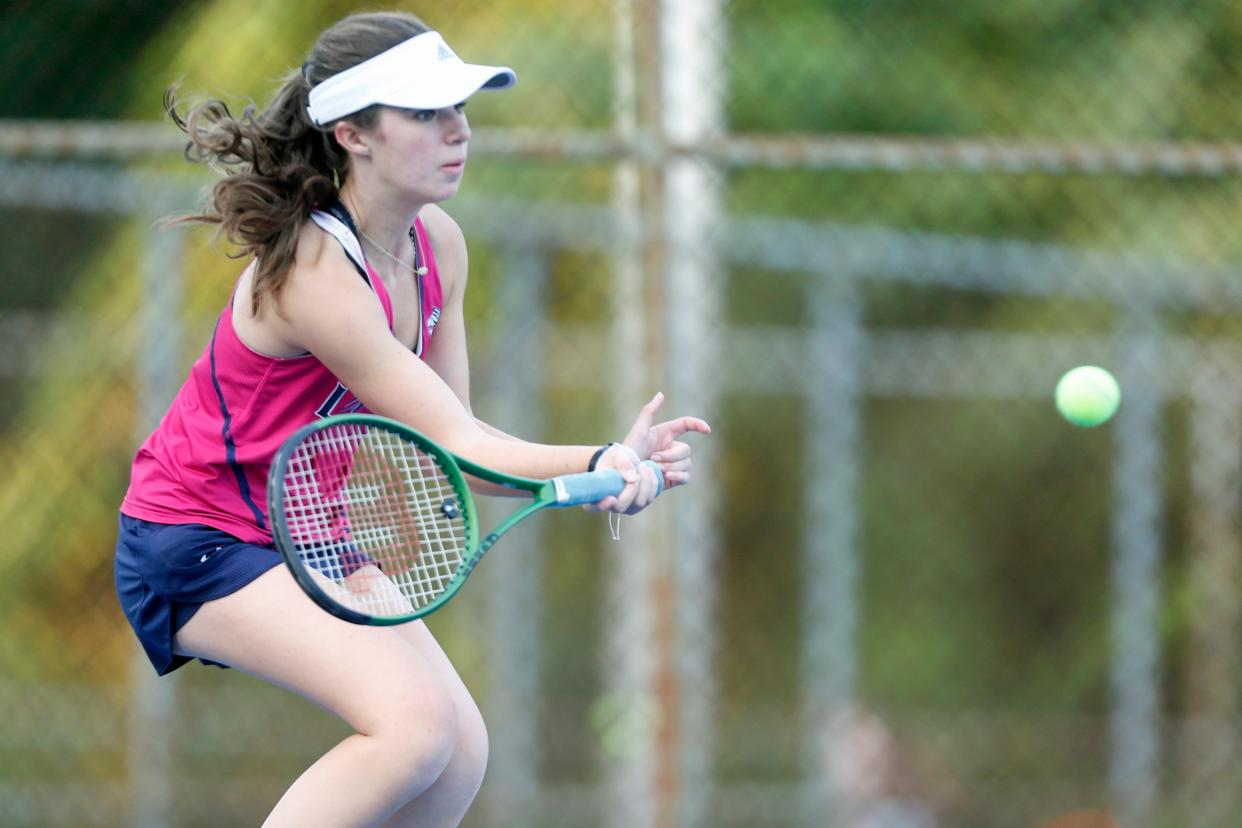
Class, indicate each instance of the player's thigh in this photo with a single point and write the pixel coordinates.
(369, 676)
(373, 589)
(421, 639)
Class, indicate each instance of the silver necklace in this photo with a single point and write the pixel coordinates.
(417, 270)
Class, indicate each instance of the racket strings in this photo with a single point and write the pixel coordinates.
(367, 510)
(440, 551)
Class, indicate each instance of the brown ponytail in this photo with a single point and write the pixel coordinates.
(278, 165)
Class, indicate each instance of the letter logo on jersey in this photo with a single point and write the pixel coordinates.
(340, 401)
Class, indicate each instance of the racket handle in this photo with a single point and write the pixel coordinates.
(590, 487)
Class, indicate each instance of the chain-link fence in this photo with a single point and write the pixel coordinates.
(863, 239)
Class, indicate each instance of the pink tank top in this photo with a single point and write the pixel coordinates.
(207, 461)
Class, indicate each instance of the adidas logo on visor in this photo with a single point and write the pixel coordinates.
(443, 52)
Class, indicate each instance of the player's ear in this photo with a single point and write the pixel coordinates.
(351, 138)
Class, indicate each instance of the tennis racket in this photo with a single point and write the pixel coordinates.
(377, 524)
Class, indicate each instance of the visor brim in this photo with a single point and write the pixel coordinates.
(451, 88)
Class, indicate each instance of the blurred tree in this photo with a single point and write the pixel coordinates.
(69, 59)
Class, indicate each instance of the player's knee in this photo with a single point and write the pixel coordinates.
(421, 735)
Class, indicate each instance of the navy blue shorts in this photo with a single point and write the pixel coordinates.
(164, 573)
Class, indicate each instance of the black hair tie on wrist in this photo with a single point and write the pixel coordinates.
(598, 454)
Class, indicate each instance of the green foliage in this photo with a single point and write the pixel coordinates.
(69, 59)
(1051, 69)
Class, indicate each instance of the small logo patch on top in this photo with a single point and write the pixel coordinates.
(340, 401)
(443, 52)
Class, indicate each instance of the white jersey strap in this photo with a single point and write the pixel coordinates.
(345, 235)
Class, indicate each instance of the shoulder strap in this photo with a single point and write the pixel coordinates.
(337, 222)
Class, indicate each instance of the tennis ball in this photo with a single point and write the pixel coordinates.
(1088, 396)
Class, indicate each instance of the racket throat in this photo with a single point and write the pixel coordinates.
(484, 545)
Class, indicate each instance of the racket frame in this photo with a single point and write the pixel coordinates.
(455, 468)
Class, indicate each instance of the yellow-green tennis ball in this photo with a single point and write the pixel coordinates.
(1088, 396)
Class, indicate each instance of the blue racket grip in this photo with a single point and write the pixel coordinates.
(591, 487)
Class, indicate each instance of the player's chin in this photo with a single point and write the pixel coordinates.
(443, 190)
(443, 196)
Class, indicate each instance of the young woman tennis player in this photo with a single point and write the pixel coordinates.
(353, 298)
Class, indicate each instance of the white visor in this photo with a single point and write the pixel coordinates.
(420, 73)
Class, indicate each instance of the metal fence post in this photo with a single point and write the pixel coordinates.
(692, 43)
(513, 579)
(624, 714)
(151, 732)
(1136, 531)
(830, 604)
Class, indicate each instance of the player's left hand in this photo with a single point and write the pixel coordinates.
(659, 442)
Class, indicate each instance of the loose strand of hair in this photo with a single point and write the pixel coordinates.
(273, 176)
